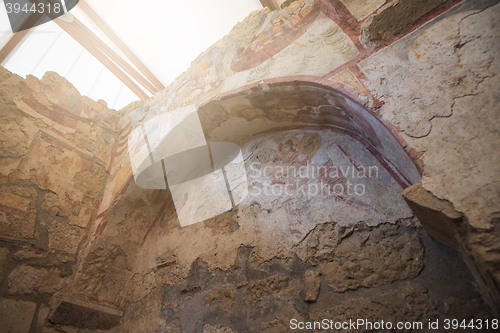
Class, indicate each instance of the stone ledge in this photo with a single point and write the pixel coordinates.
(84, 314)
(438, 217)
(394, 18)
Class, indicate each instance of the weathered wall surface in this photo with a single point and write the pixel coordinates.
(429, 74)
(56, 148)
(384, 74)
(440, 87)
(75, 224)
(278, 256)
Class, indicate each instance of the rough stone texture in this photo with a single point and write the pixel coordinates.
(360, 9)
(30, 280)
(43, 315)
(17, 211)
(440, 220)
(9, 87)
(443, 223)
(224, 295)
(89, 317)
(451, 118)
(406, 303)
(455, 58)
(279, 83)
(357, 256)
(394, 18)
(145, 316)
(265, 287)
(313, 284)
(276, 291)
(13, 141)
(16, 316)
(216, 329)
(140, 286)
(481, 251)
(64, 238)
(4, 257)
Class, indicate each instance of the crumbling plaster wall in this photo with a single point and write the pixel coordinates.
(88, 231)
(56, 151)
(415, 73)
(256, 267)
(445, 78)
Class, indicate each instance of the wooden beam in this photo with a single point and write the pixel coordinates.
(269, 4)
(99, 55)
(20, 37)
(87, 9)
(74, 31)
(13, 44)
(94, 45)
(85, 33)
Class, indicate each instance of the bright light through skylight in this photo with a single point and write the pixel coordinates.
(166, 35)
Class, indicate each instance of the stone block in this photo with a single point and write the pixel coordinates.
(224, 295)
(4, 257)
(361, 256)
(26, 255)
(272, 285)
(360, 9)
(64, 238)
(13, 141)
(7, 165)
(16, 316)
(313, 283)
(17, 211)
(393, 19)
(85, 315)
(438, 217)
(30, 280)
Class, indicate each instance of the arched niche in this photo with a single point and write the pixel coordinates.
(302, 120)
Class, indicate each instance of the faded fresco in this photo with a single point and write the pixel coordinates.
(312, 177)
(239, 119)
(331, 131)
(291, 41)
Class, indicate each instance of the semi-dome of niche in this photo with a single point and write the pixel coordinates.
(322, 150)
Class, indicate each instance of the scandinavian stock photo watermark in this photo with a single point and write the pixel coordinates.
(309, 181)
(27, 14)
(364, 324)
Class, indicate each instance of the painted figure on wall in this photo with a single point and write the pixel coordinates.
(278, 30)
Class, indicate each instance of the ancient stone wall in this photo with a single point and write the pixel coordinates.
(411, 72)
(445, 83)
(408, 87)
(56, 154)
